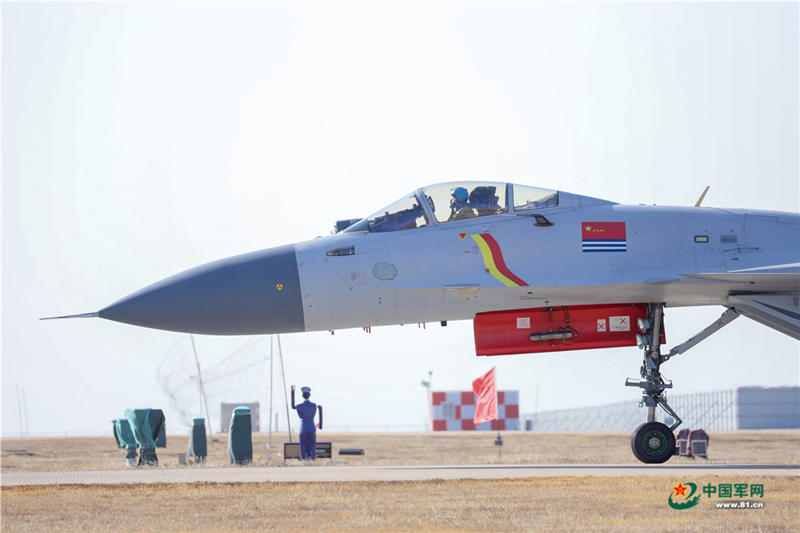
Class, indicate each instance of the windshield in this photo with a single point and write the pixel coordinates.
(469, 199)
(405, 213)
(533, 198)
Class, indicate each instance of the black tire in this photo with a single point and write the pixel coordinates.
(653, 442)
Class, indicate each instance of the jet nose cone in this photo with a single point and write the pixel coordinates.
(249, 294)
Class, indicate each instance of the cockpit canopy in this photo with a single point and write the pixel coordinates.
(446, 202)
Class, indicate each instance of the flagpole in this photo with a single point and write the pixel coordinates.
(499, 440)
(286, 400)
(496, 395)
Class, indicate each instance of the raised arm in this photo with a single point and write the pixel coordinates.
(293, 406)
(320, 416)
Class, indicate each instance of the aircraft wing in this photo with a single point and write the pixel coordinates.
(769, 295)
(778, 311)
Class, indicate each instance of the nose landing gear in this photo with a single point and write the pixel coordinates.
(654, 442)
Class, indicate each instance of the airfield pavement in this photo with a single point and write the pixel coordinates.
(423, 481)
(274, 474)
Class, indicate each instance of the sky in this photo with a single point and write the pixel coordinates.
(141, 139)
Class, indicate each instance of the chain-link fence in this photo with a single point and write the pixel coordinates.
(715, 411)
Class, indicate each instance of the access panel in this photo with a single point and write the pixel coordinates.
(552, 329)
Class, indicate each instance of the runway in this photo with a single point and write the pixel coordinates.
(320, 472)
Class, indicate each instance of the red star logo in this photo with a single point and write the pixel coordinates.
(680, 490)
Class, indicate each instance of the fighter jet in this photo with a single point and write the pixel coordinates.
(535, 269)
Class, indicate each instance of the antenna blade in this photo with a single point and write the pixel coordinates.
(700, 200)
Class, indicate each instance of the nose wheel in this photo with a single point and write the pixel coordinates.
(653, 442)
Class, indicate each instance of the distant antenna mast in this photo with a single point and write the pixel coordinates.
(271, 352)
(200, 382)
(427, 384)
(25, 410)
(285, 397)
(19, 409)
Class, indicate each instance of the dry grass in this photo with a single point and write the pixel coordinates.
(100, 453)
(556, 504)
(535, 504)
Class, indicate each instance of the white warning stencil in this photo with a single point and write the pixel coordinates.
(619, 323)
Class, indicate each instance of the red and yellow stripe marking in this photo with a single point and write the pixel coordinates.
(495, 264)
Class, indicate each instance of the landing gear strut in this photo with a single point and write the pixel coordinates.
(654, 442)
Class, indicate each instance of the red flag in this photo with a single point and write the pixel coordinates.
(486, 403)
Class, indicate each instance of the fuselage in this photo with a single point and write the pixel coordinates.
(439, 272)
(575, 250)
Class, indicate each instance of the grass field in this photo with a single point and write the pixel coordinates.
(533, 504)
(554, 504)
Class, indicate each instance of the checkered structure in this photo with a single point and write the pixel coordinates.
(454, 411)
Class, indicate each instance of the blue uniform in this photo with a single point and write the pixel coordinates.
(308, 431)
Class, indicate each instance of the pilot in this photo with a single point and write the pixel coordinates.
(459, 204)
(308, 433)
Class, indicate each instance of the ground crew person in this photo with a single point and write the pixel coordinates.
(308, 432)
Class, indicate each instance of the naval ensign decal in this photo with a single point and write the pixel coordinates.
(604, 237)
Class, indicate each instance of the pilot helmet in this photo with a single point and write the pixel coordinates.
(460, 194)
